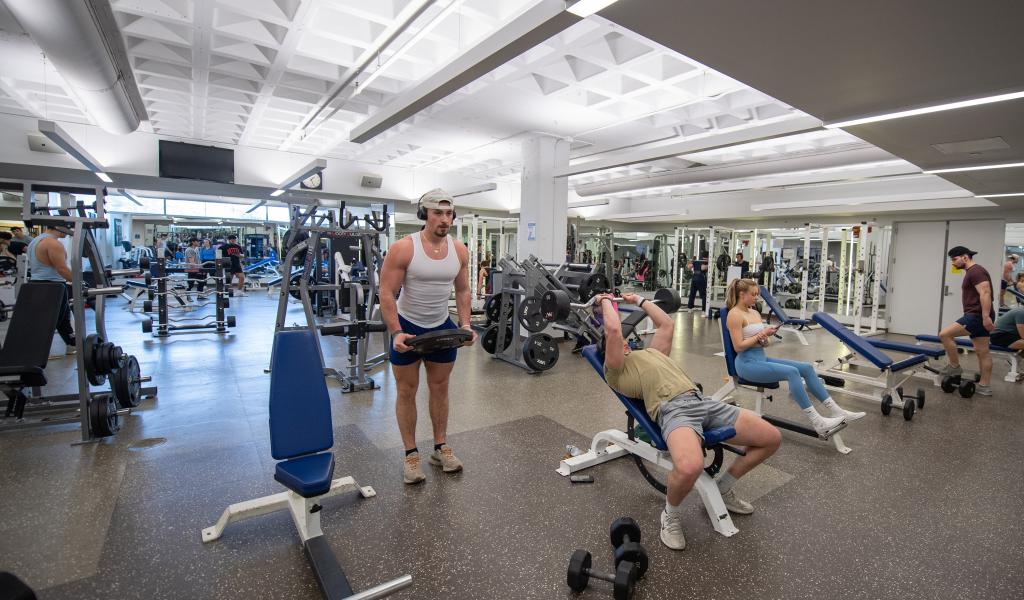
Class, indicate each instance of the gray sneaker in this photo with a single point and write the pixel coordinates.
(737, 505)
(950, 371)
(672, 531)
(983, 390)
(445, 459)
(413, 472)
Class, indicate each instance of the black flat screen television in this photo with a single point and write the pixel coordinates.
(190, 161)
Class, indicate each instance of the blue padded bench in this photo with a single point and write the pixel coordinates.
(788, 323)
(612, 443)
(929, 351)
(736, 381)
(892, 374)
(301, 437)
(1008, 354)
(962, 341)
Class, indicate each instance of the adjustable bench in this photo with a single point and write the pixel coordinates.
(301, 437)
(26, 348)
(892, 374)
(789, 324)
(933, 353)
(735, 382)
(612, 443)
(1008, 354)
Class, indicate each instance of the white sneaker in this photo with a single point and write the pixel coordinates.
(950, 371)
(240, 293)
(823, 425)
(840, 412)
(737, 505)
(672, 531)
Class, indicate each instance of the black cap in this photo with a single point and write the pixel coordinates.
(960, 251)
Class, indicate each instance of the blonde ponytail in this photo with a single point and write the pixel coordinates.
(737, 287)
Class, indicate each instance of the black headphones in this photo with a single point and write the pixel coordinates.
(421, 213)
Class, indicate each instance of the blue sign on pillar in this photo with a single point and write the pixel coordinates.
(531, 231)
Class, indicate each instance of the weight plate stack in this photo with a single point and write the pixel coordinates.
(540, 352)
(103, 416)
(531, 315)
(89, 356)
(490, 339)
(126, 383)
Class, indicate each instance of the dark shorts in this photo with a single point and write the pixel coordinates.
(1003, 338)
(411, 357)
(235, 269)
(973, 324)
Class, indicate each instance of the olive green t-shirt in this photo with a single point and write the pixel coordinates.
(650, 375)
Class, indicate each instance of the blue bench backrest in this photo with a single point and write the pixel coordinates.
(773, 304)
(300, 406)
(730, 351)
(854, 341)
(635, 407)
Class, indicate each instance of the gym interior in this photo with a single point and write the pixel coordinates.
(209, 208)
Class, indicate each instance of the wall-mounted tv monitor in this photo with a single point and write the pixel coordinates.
(191, 161)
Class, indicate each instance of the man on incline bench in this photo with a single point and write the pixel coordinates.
(424, 266)
(682, 412)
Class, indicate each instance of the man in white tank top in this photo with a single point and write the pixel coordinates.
(425, 266)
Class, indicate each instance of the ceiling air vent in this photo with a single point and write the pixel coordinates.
(972, 146)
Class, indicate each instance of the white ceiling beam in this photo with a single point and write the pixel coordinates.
(540, 22)
(713, 142)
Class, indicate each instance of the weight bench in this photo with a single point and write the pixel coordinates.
(892, 374)
(932, 352)
(612, 443)
(1008, 354)
(735, 382)
(27, 346)
(789, 324)
(301, 437)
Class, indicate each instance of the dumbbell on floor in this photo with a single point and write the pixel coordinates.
(625, 537)
(579, 574)
(964, 387)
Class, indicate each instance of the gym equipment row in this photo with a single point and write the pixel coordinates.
(166, 325)
(24, 357)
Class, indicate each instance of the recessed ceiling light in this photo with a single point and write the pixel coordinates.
(976, 168)
(926, 110)
(585, 8)
(1000, 195)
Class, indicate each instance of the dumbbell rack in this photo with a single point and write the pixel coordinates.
(542, 279)
(164, 327)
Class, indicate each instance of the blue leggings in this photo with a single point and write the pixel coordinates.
(754, 365)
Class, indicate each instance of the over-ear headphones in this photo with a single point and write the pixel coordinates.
(421, 213)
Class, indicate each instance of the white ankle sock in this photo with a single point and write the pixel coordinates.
(813, 415)
(673, 510)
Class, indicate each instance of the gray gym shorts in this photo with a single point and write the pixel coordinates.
(692, 410)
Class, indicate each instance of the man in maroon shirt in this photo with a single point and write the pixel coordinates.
(978, 319)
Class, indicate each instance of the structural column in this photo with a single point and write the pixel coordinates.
(545, 200)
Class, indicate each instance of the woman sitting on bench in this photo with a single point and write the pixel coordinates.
(681, 411)
(750, 336)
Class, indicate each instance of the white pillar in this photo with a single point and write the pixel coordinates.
(545, 199)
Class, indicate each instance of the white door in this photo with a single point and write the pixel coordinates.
(984, 237)
(915, 280)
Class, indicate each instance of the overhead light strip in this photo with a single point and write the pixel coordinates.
(975, 168)
(585, 8)
(926, 110)
(1001, 195)
(60, 137)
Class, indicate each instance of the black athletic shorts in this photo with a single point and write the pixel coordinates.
(974, 325)
(1003, 338)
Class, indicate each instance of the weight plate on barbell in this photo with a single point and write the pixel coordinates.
(103, 416)
(540, 352)
(595, 283)
(126, 383)
(531, 316)
(89, 356)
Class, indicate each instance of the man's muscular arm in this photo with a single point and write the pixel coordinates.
(392, 276)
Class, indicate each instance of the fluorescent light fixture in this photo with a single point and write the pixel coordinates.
(129, 196)
(477, 189)
(927, 109)
(305, 172)
(805, 204)
(67, 143)
(585, 8)
(640, 215)
(1000, 195)
(257, 205)
(586, 203)
(977, 168)
(419, 35)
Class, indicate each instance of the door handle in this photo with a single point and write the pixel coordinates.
(945, 290)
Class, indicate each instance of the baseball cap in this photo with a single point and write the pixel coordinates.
(435, 198)
(960, 251)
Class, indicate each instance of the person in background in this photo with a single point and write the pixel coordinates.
(193, 269)
(1020, 286)
(206, 251)
(5, 244)
(744, 265)
(48, 261)
(1007, 280)
(699, 283)
(19, 234)
(235, 252)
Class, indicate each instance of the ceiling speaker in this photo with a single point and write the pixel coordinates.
(38, 143)
(371, 181)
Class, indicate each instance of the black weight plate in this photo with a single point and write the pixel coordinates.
(231, 321)
(540, 352)
(595, 283)
(622, 528)
(668, 300)
(578, 574)
(147, 326)
(438, 341)
(126, 383)
(625, 580)
(555, 305)
(492, 308)
(531, 316)
(103, 416)
(949, 383)
(634, 553)
(966, 389)
(89, 356)
(490, 339)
